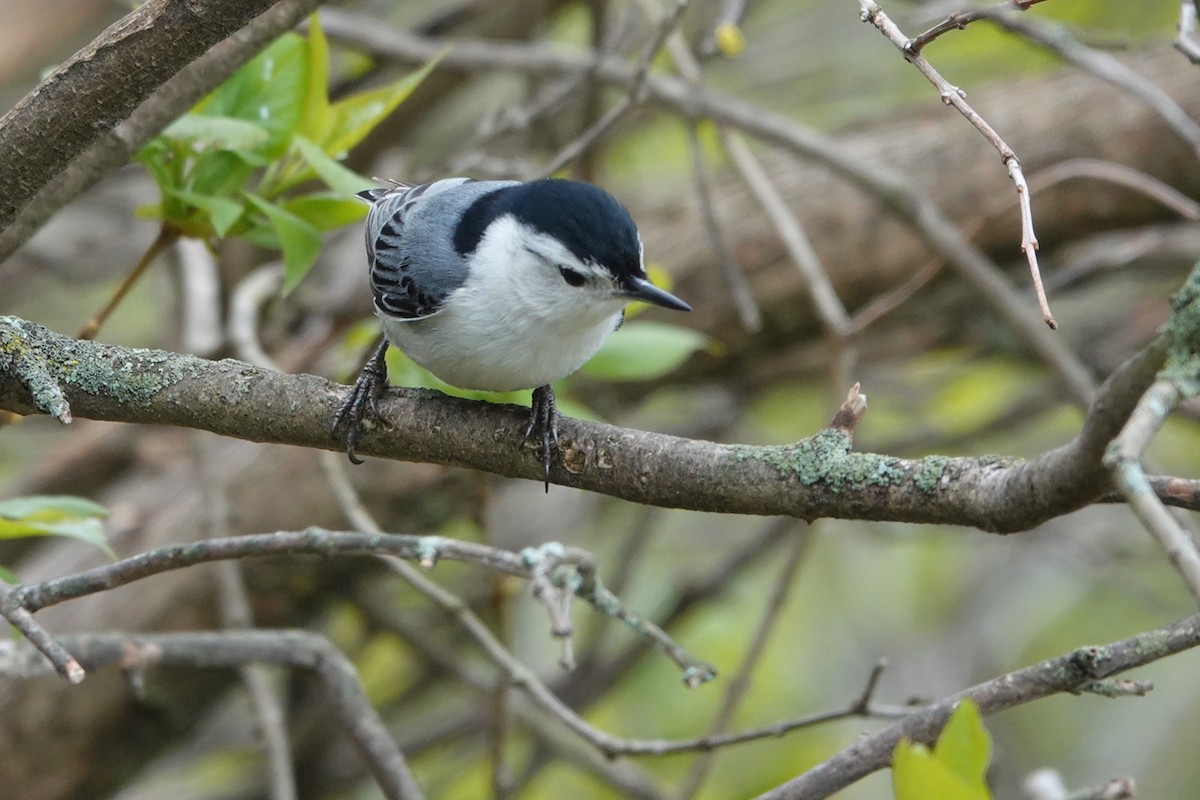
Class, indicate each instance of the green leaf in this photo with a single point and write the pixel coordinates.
(269, 91)
(54, 515)
(300, 241)
(8, 576)
(954, 770)
(318, 116)
(964, 745)
(357, 115)
(55, 505)
(325, 210)
(334, 174)
(642, 351)
(223, 213)
(215, 132)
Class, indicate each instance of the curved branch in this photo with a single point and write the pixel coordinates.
(297, 649)
(1086, 669)
(816, 477)
(117, 71)
(176, 95)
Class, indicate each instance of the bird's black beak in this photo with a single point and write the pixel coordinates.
(647, 292)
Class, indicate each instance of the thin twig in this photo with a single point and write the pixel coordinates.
(233, 604)
(736, 690)
(961, 19)
(1120, 175)
(635, 95)
(1124, 460)
(167, 234)
(735, 277)
(20, 618)
(1104, 66)
(298, 649)
(953, 96)
(1186, 42)
(1066, 673)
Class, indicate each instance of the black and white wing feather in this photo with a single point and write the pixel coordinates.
(402, 291)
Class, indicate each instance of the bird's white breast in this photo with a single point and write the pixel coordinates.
(514, 325)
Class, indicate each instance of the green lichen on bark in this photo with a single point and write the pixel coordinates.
(825, 458)
(1183, 358)
(45, 362)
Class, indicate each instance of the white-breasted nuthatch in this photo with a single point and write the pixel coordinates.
(498, 285)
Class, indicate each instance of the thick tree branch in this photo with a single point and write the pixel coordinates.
(41, 134)
(816, 477)
(118, 145)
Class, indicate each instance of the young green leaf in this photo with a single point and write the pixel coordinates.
(317, 117)
(918, 775)
(954, 770)
(357, 115)
(54, 515)
(642, 351)
(964, 745)
(325, 210)
(334, 174)
(222, 212)
(268, 91)
(214, 132)
(300, 241)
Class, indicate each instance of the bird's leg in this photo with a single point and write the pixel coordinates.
(543, 427)
(363, 398)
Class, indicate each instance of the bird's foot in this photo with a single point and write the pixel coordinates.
(543, 427)
(362, 401)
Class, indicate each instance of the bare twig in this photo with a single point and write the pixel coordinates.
(828, 305)
(1120, 175)
(953, 96)
(1059, 40)
(20, 618)
(735, 278)
(234, 607)
(1067, 673)
(634, 97)
(736, 690)
(1124, 460)
(167, 235)
(961, 19)
(233, 649)
(1186, 42)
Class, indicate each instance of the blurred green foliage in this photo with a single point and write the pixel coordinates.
(53, 515)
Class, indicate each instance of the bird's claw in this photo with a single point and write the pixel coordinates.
(543, 428)
(362, 402)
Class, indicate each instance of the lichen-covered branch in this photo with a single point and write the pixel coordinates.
(816, 477)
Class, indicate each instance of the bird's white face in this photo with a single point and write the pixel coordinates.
(539, 277)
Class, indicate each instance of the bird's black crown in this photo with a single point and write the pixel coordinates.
(585, 218)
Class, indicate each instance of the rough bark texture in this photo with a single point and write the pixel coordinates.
(814, 478)
(102, 84)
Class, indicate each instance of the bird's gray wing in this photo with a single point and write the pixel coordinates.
(414, 265)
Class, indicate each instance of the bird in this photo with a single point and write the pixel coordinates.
(498, 286)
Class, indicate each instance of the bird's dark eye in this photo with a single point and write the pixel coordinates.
(572, 277)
